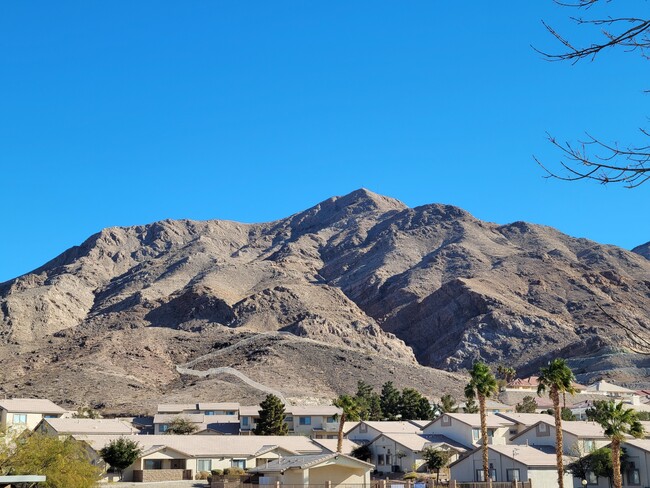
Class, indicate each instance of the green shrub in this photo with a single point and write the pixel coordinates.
(216, 472)
(411, 476)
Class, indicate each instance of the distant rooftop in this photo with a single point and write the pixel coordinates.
(31, 405)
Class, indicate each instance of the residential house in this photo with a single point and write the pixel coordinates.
(63, 427)
(329, 469)
(18, 414)
(178, 457)
(531, 384)
(610, 390)
(205, 424)
(510, 463)
(403, 452)
(366, 430)
(205, 408)
(579, 437)
(465, 428)
(638, 465)
(492, 406)
(316, 421)
(524, 420)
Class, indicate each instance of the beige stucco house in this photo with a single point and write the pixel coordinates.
(177, 457)
(465, 428)
(366, 430)
(316, 421)
(329, 469)
(578, 437)
(18, 414)
(509, 463)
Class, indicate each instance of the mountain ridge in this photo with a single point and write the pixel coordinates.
(429, 285)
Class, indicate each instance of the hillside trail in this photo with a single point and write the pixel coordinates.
(187, 369)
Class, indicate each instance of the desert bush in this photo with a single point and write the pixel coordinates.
(201, 475)
(233, 471)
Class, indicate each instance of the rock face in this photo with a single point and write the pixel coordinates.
(360, 275)
(643, 250)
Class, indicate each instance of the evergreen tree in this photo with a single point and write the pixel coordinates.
(390, 401)
(470, 406)
(271, 421)
(411, 405)
(527, 405)
(447, 404)
(181, 426)
(368, 402)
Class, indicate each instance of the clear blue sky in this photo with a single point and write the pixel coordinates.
(121, 113)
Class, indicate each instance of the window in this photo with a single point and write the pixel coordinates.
(330, 420)
(480, 477)
(305, 420)
(592, 479)
(490, 432)
(633, 477)
(210, 412)
(230, 412)
(380, 459)
(238, 463)
(163, 427)
(20, 418)
(204, 464)
(50, 416)
(288, 419)
(389, 458)
(245, 421)
(589, 445)
(476, 433)
(153, 464)
(363, 428)
(512, 475)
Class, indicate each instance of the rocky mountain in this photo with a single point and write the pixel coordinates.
(643, 250)
(356, 287)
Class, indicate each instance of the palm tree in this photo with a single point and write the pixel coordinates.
(557, 378)
(618, 421)
(482, 385)
(350, 411)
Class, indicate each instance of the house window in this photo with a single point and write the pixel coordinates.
(305, 420)
(490, 432)
(50, 416)
(633, 477)
(238, 463)
(230, 412)
(592, 479)
(204, 464)
(245, 421)
(589, 445)
(363, 428)
(389, 458)
(476, 433)
(153, 464)
(380, 460)
(288, 419)
(480, 477)
(512, 475)
(330, 420)
(446, 421)
(163, 427)
(210, 412)
(20, 418)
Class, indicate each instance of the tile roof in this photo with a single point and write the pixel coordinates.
(30, 405)
(643, 444)
(314, 410)
(212, 445)
(164, 418)
(527, 419)
(176, 407)
(415, 442)
(331, 445)
(218, 406)
(394, 426)
(90, 426)
(474, 419)
(304, 462)
(606, 387)
(525, 455)
(252, 410)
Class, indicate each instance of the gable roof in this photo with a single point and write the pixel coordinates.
(643, 444)
(494, 421)
(416, 442)
(527, 419)
(393, 426)
(606, 387)
(330, 445)
(577, 428)
(314, 410)
(30, 405)
(305, 462)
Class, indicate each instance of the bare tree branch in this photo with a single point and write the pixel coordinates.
(592, 158)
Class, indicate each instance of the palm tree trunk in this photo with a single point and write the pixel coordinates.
(559, 442)
(616, 462)
(484, 437)
(339, 442)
